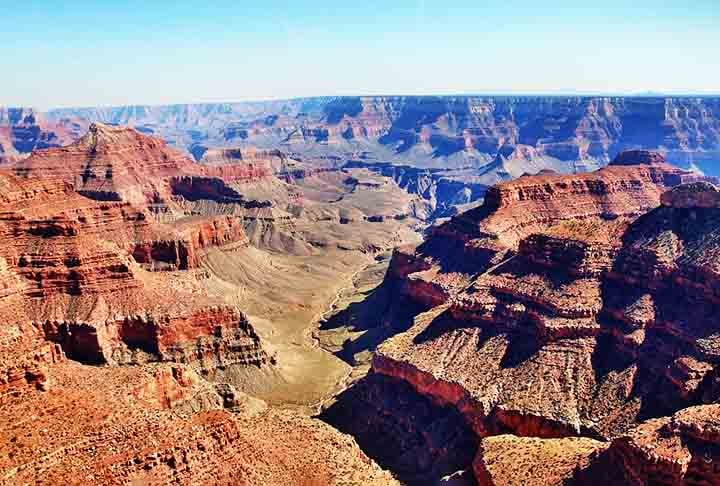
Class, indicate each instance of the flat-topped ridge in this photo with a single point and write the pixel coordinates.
(698, 194)
(639, 157)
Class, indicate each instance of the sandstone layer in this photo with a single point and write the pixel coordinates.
(103, 259)
(566, 307)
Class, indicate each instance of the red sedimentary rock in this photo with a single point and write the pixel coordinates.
(639, 157)
(140, 178)
(160, 424)
(675, 450)
(69, 274)
(122, 164)
(512, 211)
(77, 302)
(568, 306)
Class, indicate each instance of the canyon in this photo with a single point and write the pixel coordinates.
(565, 325)
(442, 131)
(151, 295)
(362, 290)
(463, 144)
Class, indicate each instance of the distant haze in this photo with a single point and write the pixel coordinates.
(83, 53)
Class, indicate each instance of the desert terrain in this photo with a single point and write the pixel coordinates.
(400, 290)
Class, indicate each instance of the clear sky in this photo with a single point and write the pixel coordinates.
(81, 53)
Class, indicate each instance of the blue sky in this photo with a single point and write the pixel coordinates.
(81, 53)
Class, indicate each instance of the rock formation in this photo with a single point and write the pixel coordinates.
(478, 141)
(23, 130)
(513, 211)
(567, 330)
(567, 307)
(574, 129)
(161, 424)
(121, 164)
(101, 244)
(443, 190)
(71, 278)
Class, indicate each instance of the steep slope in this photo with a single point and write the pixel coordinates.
(482, 237)
(163, 424)
(559, 309)
(71, 281)
(113, 281)
(23, 130)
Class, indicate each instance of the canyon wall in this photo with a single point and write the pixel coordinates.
(568, 309)
(118, 361)
(23, 130)
(478, 141)
(435, 130)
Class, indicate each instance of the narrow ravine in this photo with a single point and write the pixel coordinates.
(360, 283)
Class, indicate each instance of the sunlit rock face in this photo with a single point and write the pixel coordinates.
(569, 317)
(127, 364)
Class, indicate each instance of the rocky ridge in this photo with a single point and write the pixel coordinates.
(442, 128)
(566, 307)
(102, 248)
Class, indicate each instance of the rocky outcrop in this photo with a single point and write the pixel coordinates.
(205, 338)
(240, 165)
(110, 163)
(121, 164)
(162, 424)
(476, 240)
(69, 273)
(565, 307)
(246, 155)
(693, 195)
(639, 157)
(182, 248)
(681, 449)
(164, 192)
(196, 187)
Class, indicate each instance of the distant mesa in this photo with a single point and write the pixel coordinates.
(639, 157)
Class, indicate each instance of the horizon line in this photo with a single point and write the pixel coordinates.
(499, 94)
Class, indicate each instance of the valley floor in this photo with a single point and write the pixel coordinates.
(297, 295)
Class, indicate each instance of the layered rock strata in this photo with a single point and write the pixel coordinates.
(480, 238)
(567, 306)
(122, 164)
(70, 281)
(78, 303)
(164, 424)
(447, 129)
